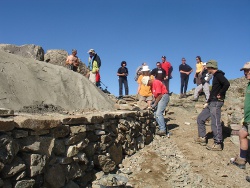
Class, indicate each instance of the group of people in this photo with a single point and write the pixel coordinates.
(94, 64)
(153, 88)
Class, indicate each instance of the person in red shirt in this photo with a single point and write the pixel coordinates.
(168, 68)
(160, 103)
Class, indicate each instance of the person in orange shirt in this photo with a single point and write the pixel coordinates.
(145, 91)
(72, 61)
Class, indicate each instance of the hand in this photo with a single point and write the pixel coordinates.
(205, 105)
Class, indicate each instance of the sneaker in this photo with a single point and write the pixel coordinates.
(201, 140)
(160, 133)
(215, 147)
(239, 162)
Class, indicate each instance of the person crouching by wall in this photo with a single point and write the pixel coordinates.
(145, 92)
(122, 73)
(160, 103)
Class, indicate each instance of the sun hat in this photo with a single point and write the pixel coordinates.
(145, 68)
(246, 66)
(145, 80)
(91, 51)
(212, 64)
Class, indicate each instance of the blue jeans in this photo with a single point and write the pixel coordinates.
(213, 110)
(161, 106)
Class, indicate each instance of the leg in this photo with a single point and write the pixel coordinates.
(120, 86)
(186, 84)
(201, 119)
(215, 111)
(166, 83)
(182, 85)
(125, 81)
(196, 91)
(206, 90)
(160, 110)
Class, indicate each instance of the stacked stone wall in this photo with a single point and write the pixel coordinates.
(67, 150)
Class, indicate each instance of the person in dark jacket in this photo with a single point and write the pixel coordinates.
(185, 71)
(123, 73)
(159, 73)
(213, 108)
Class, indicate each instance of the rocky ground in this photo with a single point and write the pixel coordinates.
(179, 162)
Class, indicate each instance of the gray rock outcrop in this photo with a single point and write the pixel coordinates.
(27, 50)
(25, 82)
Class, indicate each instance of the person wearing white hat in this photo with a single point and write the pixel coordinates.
(145, 93)
(204, 85)
(240, 160)
(94, 64)
(160, 103)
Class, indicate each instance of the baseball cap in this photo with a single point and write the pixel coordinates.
(246, 66)
(163, 56)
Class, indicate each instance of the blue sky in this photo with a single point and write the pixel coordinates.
(135, 31)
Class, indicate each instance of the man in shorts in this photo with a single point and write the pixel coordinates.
(240, 161)
(72, 61)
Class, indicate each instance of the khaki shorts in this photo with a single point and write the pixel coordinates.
(246, 127)
(149, 98)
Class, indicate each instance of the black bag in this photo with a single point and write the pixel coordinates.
(194, 80)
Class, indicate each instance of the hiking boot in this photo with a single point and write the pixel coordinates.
(248, 178)
(239, 162)
(215, 147)
(181, 96)
(201, 140)
(184, 95)
(160, 133)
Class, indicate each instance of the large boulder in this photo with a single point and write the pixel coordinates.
(27, 50)
(25, 82)
(58, 57)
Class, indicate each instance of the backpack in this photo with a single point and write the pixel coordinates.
(137, 73)
(98, 60)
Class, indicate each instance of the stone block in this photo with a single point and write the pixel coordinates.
(115, 152)
(25, 183)
(11, 169)
(78, 129)
(75, 138)
(6, 112)
(20, 133)
(41, 145)
(60, 131)
(8, 148)
(55, 176)
(36, 122)
(7, 124)
(39, 132)
(59, 147)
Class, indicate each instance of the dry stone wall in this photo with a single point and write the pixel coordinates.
(57, 150)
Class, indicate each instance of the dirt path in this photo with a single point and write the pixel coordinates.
(179, 162)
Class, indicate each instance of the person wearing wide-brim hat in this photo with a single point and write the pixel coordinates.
(213, 108)
(240, 160)
(145, 92)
